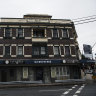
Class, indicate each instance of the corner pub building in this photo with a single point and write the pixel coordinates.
(38, 48)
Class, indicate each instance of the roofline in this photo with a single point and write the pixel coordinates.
(16, 23)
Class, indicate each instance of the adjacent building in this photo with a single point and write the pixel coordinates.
(37, 47)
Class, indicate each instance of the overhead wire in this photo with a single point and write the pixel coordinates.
(84, 17)
(83, 20)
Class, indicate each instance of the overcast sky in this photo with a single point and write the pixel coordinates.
(59, 9)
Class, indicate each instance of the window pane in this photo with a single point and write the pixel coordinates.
(56, 50)
(7, 32)
(43, 51)
(55, 33)
(61, 71)
(67, 50)
(20, 50)
(20, 32)
(36, 51)
(64, 70)
(57, 71)
(65, 34)
(7, 50)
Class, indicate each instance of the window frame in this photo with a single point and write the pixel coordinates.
(9, 53)
(38, 33)
(18, 32)
(68, 49)
(58, 50)
(62, 71)
(8, 32)
(66, 32)
(39, 48)
(56, 33)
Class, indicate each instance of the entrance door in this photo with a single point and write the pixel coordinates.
(39, 73)
(3, 76)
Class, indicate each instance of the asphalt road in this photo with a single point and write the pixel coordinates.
(70, 90)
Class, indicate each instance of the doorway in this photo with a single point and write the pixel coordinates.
(39, 73)
(3, 76)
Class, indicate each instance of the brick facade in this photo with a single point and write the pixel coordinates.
(31, 49)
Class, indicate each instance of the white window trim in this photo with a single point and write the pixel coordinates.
(4, 32)
(58, 33)
(3, 50)
(23, 31)
(45, 33)
(52, 32)
(11, 32)
(32, 32)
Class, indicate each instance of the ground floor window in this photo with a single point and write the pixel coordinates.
(62, 72)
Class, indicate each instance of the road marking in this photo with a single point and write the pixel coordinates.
(70, 89)
(73, 87)
(79, 90)
(66, 92)
(75, 95)
(76, 85)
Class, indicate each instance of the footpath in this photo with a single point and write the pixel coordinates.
(20, 84)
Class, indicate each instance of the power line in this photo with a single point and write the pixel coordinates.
(85, 22)
(84, 17)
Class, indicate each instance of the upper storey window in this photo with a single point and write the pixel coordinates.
(38, 33)
(20, 50)
(20, 32)
(67, 51)
(39, 51)
(55, 33)
(65, 33)
(7, 50)
(8, 32)
(56, 50)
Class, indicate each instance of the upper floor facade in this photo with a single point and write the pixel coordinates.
(37, 36)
